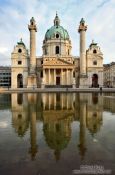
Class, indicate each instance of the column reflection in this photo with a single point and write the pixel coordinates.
(32, 101)
(91, 111)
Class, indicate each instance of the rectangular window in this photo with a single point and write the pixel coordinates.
(41, 74)
(19, 62)
(94, 62)
(74, 74)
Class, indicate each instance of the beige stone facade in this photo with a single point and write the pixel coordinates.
(20, 66)
(94, 66)
(56, 67)
(109, 75)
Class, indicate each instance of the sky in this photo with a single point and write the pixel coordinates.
(15, 16)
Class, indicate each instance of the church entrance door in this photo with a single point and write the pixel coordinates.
(95, 80)
(57, 80)
(20, 81)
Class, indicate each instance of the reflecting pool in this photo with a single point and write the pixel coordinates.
(56, 133)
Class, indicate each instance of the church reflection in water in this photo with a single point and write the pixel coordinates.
(56, 111)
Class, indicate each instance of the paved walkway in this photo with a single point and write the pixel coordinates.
(5, 90)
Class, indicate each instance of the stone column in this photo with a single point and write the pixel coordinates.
(62, 77)
(72, 77)
(67, 77)
(44, 77)
(54, 76)
(33, 29)
(49, 76)
(82, 30)
(32, 78)
(82, 53)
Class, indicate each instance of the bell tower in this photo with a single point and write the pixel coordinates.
(32, 78)
(82, 31)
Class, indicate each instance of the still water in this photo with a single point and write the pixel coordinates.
(56, 133)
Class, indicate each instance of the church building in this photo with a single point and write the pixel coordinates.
(57, 67)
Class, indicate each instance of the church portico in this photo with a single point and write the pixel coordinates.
(57, 76)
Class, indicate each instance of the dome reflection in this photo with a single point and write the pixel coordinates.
(57, 112)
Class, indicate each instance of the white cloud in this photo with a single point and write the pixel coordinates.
(15, 16)
(3, 50)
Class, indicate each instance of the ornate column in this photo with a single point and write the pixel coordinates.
(33, 29)
(83, 74)
(54, 76)
(82, 30)
(44, 77)
(72, 77)
(49, 76)
(62, 77)
(32, 78)
(67, 77)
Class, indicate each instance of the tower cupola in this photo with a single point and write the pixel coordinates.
(82, 21)
(32, 21)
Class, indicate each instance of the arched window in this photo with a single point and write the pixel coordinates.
(19, 81)
(19, 50)
(57, 35)
(57, 50)
(94, 51)
(95, 80)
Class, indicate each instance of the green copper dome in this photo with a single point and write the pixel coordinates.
(56, 31)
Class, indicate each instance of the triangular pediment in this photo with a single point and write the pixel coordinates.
(57, 61)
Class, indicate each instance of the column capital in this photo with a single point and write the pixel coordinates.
(82, 26)
(32, 25)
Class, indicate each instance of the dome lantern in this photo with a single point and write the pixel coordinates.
(56, 20)
(56, 31)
